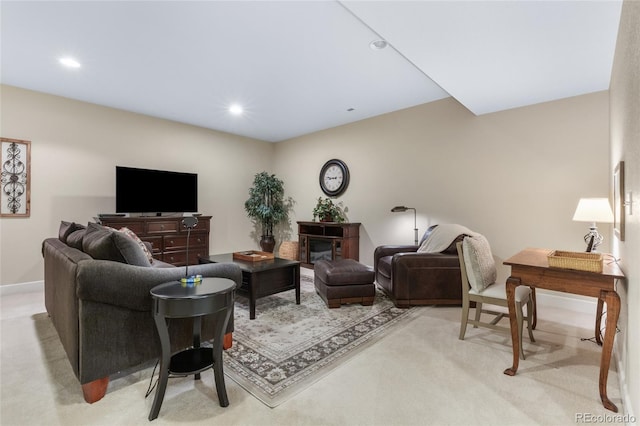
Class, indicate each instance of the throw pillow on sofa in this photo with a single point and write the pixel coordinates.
(75, 238)
(66, 229)
(103, 243)
(128, 232)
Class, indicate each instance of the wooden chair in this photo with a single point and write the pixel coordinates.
(494, 294)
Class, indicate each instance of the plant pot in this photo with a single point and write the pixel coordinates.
(267, 243)
(326, 218)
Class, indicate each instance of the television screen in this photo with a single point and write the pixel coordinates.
(155, 191)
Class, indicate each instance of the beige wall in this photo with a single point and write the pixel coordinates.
(75, 147)
(625, 146)
(515, 176)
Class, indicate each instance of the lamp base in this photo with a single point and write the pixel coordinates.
(593, 239)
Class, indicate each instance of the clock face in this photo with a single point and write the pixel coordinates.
(334, 177)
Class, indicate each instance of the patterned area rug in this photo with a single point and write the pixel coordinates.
(288, 347)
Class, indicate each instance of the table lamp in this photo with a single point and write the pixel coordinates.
(415, 226)
(593, 210)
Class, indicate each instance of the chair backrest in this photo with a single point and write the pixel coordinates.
(480, 265)
(463, 272)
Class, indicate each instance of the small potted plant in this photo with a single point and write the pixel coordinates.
(326, 211)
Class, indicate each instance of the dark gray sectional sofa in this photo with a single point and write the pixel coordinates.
(97, 283)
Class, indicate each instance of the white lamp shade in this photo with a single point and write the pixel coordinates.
(593, 210)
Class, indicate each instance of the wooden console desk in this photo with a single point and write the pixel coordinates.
(530, 267)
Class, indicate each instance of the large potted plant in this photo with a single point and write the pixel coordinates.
(266, 206)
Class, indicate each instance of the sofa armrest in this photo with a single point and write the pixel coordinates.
(382, 251)
(390, 250)
(425, 260)
(128, 286)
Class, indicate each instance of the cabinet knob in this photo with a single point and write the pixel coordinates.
(171, 242)
(161, 226)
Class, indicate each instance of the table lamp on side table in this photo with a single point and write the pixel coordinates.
(593, 210)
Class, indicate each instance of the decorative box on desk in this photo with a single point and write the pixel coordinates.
(578, 261)
(329, 241)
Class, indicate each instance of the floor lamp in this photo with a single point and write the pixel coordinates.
(415, 226)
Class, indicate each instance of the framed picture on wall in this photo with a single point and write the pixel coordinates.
(15, 180)
(618, 201)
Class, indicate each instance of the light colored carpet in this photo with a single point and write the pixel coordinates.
(288, 347)
(418, 374)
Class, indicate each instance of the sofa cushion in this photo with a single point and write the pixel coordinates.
(479, 263)
(128, 232)
(66, 229)
(384, 266)
(75, 238)
(103, 243)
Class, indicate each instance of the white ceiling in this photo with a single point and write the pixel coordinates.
(299, 66)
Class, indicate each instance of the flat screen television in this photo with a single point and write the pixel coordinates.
(155, 191)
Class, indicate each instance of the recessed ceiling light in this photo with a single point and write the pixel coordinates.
(378, 44)
(236, 109)
(69, 62)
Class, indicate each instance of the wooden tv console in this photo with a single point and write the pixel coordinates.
(168, 236)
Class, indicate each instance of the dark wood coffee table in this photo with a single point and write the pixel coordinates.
(263, 278)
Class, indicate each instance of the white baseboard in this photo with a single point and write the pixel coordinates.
(627, 408)
(21, 288)
(552, 300)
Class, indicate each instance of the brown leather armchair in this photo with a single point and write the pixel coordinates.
(410, 278)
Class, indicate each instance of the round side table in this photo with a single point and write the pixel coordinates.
(211, 296)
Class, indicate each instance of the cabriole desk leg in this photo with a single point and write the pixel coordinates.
(512, 283)
(612, 300)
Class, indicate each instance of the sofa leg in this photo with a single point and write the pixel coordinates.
(94, 391)
(227, 342)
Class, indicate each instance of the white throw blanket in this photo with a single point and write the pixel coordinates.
(442, 236)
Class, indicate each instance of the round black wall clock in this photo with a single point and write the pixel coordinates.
(334, 177)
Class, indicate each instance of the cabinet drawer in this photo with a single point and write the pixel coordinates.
(156, 244)
(179, 242)
(202, 226)
(179, 258)
(136, 227)
(162, 227)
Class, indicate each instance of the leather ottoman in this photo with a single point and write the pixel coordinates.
(344, 281)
